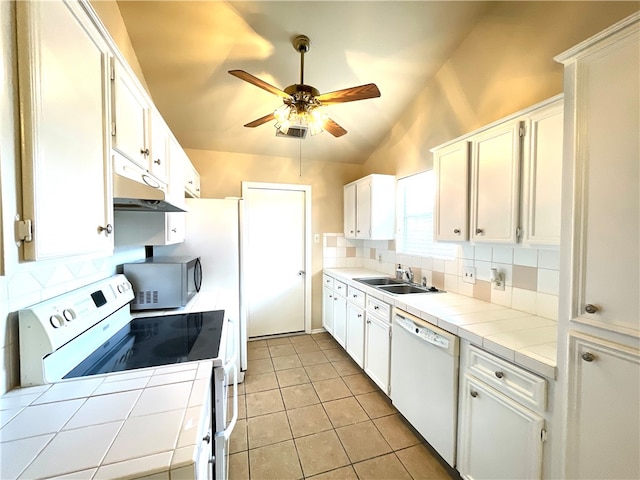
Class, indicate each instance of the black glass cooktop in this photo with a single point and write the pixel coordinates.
(154, 341)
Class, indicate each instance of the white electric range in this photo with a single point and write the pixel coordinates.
(91, 331)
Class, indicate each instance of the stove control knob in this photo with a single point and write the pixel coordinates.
(56, 320)
(69, 314)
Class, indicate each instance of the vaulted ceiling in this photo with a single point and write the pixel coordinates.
(186, 48)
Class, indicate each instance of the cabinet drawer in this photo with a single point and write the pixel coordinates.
(355, 296)
(378, 308)
(327, 281)
(512, 380)
(340, 288)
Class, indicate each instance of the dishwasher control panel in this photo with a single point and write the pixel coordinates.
(425, 333)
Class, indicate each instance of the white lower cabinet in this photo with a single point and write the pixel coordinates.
(327, 309)
(340, 319)
(498, 436)
(355, 333)
(355, 325)
(377, 350)
(603, 424)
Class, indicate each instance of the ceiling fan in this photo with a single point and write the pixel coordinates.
(303, 104)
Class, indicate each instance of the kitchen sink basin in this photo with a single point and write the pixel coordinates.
(380, 281)
(406, 288)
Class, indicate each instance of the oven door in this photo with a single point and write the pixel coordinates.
(226, 402)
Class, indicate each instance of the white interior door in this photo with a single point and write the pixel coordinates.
(275, 247)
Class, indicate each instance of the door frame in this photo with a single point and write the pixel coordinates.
(306, 189)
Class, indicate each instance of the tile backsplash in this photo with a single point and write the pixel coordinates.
(531, 275)
(38, 281)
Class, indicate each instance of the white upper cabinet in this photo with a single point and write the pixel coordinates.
(191, 179)
(602, 171)
(369, 208)
(495, 184)
(130, 117)
(64, 95)
(451, 212)
(542, 176)
(159, 154)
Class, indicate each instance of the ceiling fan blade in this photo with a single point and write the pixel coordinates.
(260, 121)
(333, 128)
(247, 77)
(362, 92)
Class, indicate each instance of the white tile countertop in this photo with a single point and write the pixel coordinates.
(121, 425)
(524, 339)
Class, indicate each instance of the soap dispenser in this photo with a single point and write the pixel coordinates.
(399, 272)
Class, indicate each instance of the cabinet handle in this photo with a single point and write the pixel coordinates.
(368, 321)
(456, 231)
(589, 308)
(359, 315)
(473, 393)
(499, 374)
(350, 231)
(207, 438)
(108, 229)
(190, 182)
(588, 357)
(357, 231)
(355, 296)
(479, 231)
(375, 307)
(174, 230)
(145, 152)
(157, 162)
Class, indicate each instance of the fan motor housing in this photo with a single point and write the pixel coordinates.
(293, 89)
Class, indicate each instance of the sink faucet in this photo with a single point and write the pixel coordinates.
(409, 274)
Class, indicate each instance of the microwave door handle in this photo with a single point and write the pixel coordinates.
(197, 273)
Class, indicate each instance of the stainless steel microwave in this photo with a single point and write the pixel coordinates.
(163, 282)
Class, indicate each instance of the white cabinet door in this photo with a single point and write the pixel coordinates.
(350, 210)
(603, 161)
(64, 94)
(130, 118)
(340, 319)
(497, 437)
(451, 166)
(327, 309)
(192, 179)
(495, 184)
(175, 227)
(355, 333)
(603, 424)
(542, 176)
(363, 209)
(377, 351)
(159, 155)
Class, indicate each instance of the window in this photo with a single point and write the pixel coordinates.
(416, 200)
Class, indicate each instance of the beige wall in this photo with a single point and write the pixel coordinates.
(504, 65)
(221, 175)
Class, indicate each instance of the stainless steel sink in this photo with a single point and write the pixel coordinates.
(377, 281)
(395, 286)
(405, 288)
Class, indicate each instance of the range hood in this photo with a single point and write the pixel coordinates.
(134, 190)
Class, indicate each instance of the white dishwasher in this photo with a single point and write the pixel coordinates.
(424, 380)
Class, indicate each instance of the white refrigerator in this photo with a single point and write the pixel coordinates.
(213, 232)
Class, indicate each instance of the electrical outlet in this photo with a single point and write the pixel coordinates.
(379, 258)
(469, 275)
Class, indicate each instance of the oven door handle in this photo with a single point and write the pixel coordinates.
(231, 365)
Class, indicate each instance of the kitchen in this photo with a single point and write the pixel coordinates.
(517, 77)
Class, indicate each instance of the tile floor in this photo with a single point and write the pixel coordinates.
(308, 411)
